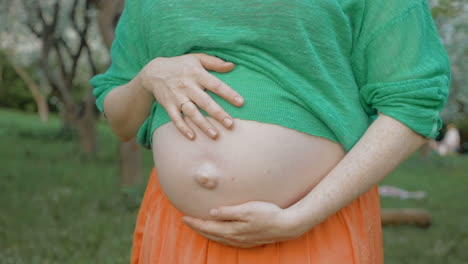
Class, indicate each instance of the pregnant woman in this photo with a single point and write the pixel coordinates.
(271, 122)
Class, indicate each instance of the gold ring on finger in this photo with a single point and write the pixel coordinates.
(180, 105)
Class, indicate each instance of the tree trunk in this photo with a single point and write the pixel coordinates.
(40, 100)
(80, 120)
(406, 216)
(130, 163)
(87, 136)
(129, 152)
(69, 120)
(109, 12)
(87, 127)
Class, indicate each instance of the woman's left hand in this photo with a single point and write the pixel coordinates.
(247, 225)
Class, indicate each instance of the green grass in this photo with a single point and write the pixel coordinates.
(58, 208)
(446, 182)
(55, 207)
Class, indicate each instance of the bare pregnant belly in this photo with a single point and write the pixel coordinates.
(251, 162)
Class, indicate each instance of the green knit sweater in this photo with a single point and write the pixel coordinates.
(322, 67)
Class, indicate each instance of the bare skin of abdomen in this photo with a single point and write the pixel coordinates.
(251, 162)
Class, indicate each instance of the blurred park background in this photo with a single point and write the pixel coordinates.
(70, 191)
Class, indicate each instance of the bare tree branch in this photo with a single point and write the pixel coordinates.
(40, 14)
(29, 22)
(91, 62)
(62, 62)
(83, 32)
(66, 46)
(55, 15)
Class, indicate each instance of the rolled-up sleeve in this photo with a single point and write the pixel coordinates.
(403, 71)
(127, 55)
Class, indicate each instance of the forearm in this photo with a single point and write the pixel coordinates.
(385, 144)
(126, 108)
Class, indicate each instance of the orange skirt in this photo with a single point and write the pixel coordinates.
(352, 235)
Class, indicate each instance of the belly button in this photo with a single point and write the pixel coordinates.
(207, 176)
(206, 181)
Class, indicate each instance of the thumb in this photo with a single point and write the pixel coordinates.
(213, 63)
(231, 213)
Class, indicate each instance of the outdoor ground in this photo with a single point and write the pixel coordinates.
(58, 208)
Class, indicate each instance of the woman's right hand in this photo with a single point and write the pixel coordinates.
(178, 85)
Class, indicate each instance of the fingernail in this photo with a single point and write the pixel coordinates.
(214, 212)
(239, 99)
(227, 121)
(190, 135)
(211, 132)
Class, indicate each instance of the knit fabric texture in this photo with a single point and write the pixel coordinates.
(322, 67)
